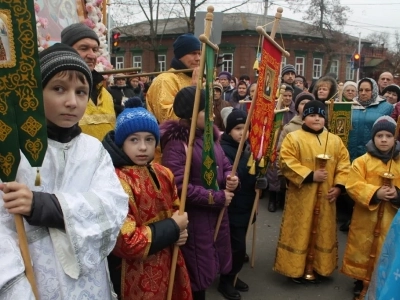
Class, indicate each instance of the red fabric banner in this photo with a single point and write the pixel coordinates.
(263, 115)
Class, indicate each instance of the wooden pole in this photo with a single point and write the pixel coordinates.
(278, 15)
(189, 153)
(23, 245)
(104, 9)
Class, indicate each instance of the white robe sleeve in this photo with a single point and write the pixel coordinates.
(92, 219)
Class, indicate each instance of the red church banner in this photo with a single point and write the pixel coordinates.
(263, 115)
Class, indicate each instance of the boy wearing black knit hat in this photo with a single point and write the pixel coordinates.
(239, 210)
(99, 117)
(146, 238)
(205, 258)
(78, 190)
(307, 180)
(365, 186)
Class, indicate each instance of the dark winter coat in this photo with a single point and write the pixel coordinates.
(240, 208)
(118, 93)
(204, 257)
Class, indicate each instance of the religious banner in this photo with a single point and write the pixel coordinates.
(271, 152)
(340, 122)
(262, 119)
(209, 166)
(22, 120)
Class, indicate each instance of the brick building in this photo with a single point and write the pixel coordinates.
(239, 43)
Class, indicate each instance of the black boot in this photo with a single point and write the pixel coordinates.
(227, 289)
(272, 201)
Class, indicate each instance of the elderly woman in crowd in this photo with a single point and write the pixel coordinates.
(349, 91)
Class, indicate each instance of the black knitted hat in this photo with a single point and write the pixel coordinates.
(314, 107)
(185, 44)
(302, 96)
(236, 117)
(184, 102)
(383, 123)
(76, 32)
(60, 57)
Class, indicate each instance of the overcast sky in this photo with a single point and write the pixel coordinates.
(366, 16)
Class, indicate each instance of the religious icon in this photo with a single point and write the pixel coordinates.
(7, 48)
(269, 82)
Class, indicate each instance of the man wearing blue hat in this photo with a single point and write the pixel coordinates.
(164, 88)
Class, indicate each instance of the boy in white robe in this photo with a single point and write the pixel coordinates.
(73, 218)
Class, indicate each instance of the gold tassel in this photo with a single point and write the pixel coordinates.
(250, 161)
(261, 164)
(37, 180)
(253, 169)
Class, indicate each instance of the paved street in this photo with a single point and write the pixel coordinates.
(268, 285)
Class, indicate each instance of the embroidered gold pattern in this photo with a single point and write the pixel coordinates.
(6, 163)
(34, 148)
(208, 162)
(31, 126)
(4, 130)
(3, 102)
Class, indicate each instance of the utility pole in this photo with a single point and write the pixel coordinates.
(359, 52)
(265, 10)
(109, 26)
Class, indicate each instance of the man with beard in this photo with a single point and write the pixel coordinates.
(288, 77)
(99, 117)
(161, 94)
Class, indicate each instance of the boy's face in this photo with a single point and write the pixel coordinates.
(299, 84)
(300, 108)
(323, 92)
(314, 121)
(237, 132)
(65, 100)
(217, 94)
(287, 98)
(140, 147)
(384, 141)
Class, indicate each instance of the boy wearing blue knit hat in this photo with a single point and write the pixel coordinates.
(152, 226)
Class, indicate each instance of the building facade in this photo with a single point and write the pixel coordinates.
(240, 45)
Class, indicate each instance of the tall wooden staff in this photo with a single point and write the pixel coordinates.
(261, 31)
(322, 159)
(189, 153)
(387, 179)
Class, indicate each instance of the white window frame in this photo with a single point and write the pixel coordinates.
(228, 63)
(119, 62)
(299, 65)
(283, 62)
(162, 62)
(317, 68)
(138, 63)
(335, 68)
(349, 70)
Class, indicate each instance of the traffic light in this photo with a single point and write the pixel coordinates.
(356, 60)
(115, 41)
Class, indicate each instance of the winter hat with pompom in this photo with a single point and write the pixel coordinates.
(135, 118)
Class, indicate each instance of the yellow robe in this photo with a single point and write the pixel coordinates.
(363, 182)
(99, 119)
(298, 159)
(162, 92)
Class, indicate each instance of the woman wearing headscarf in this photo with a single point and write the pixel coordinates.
(349, 91)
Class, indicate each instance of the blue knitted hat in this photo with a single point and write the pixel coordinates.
(132, 120)
(185, 44)
(383, 123)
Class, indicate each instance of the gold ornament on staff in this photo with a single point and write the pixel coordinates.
(387, 180)
(321, 160)
(189, 152)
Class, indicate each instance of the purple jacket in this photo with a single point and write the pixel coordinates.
(204, 258)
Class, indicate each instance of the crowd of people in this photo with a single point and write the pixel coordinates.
(105, 219)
